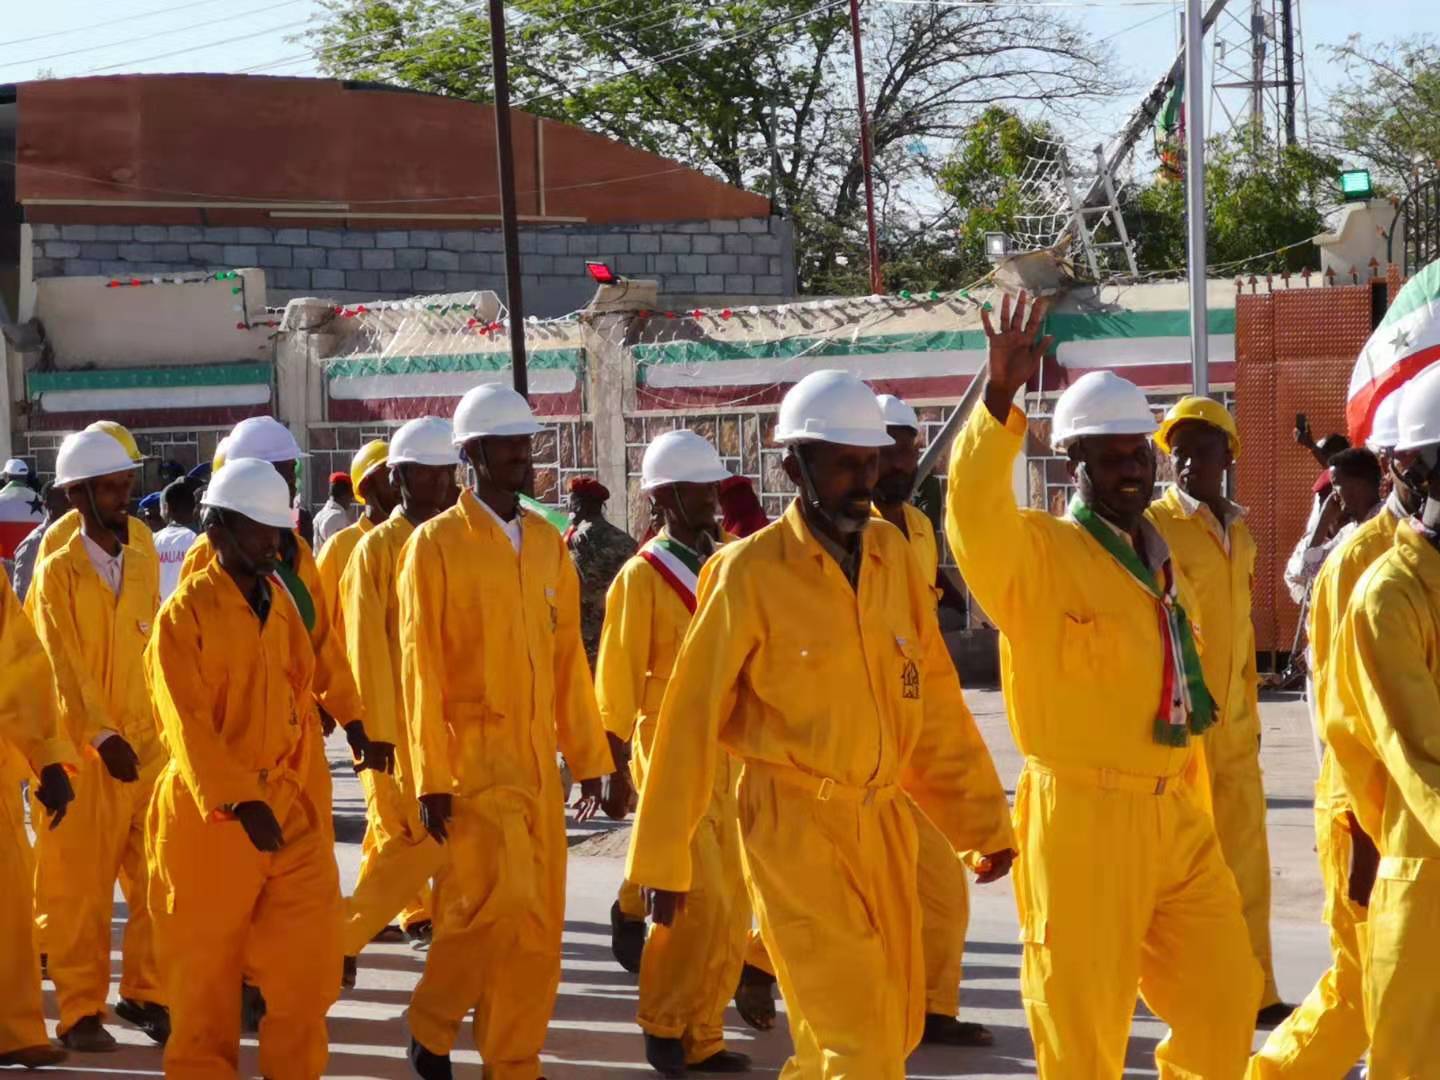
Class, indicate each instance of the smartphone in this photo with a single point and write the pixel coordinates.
(1302, 423)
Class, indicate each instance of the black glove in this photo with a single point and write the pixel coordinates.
(379, 756)
(119, 758)
(258, 821)
(54, 792)
(435, 811)
(1364, 864)
(327, 722)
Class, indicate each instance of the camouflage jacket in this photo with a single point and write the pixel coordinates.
(599, 550)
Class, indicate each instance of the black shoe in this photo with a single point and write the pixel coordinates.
(33, 1057)
(666, 1056)
(941, 1030)
(389, 935)
(1273, 1015)
(88, 1036)
(428, 1066)
(252, 1008)
(350, 972)
(724, 1061)
(44, 965)
(755, 998)
(419, 934)
(627, 939)
(148, 1016)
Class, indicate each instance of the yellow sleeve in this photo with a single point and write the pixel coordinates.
(331, 566)
(199, 555)
(84, 710)
(185, 709)
(624, 654)
(950, 772)
(577, 720)
(680, 777)
(367, 642)
(421, 593)
(1389, 676)
(334, 685)
(29, 720)
(999, 555)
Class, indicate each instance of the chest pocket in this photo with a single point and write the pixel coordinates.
(1080, 644)
(907, 677)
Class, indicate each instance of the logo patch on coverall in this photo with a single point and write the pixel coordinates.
(910, 682)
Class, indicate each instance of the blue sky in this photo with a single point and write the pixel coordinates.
(79, 37)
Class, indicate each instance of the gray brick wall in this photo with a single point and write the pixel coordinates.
(692, 260)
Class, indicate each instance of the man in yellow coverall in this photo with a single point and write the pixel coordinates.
(1327, 1030)
(399, 856)
(1384, 731)
(944, 891)
(242, 871)
(814, 657)
(93, 602)
(1121, 881)
(370, 480)
(30, 730)
(1216, 553)
(688, 971)
(495, 679)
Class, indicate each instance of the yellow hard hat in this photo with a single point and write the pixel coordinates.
(367, 459)
(120, 434)
(218, 461)
(1207, 411)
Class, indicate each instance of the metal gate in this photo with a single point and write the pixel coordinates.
(1421, 214)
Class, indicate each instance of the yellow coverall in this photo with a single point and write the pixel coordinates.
(1219, 563)
(1120, 880)
(495, 677)
(95, 640)
(1385, 736)
(67, 525)
(1327, 1029)
(839, 702)
(689, 970)
(399, 857)
(944, 888)
(29, 729)
(231, 700)
(331, 561)
(334, 686)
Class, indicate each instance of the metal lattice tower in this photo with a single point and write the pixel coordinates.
(1258, 70)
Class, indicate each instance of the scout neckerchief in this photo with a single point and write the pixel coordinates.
(290, 580)
(1186, 706)
(677, 564)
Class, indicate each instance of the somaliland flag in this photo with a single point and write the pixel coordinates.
(1406, 342)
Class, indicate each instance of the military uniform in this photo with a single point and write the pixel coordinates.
(599, 549)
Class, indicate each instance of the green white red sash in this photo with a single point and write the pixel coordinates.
(1186, 706)
(677, 565)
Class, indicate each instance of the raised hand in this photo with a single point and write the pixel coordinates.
(1015, 352)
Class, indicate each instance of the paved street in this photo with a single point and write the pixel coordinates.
(593, 1033)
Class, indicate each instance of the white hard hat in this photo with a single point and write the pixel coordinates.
(426, 440)
(88, 454)
(1419, 416)
(833, 407)
(253, 488)
(897, 413)
(493, 411)
(680, 457)
(16, 467)
(1100, 403)
(1385, 428)
(263, 438)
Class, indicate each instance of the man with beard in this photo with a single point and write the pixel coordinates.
(495, 681)
(944, 891)
(689, 969)
(815, 658)
(1120, 884)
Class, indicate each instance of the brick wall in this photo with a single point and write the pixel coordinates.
(752, 257)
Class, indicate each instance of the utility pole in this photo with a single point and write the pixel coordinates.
(509, 223)
(1195, 196)
(877, 282)
(1287, 47)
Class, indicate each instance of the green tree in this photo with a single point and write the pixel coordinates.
(1383, 112)
(757, 92)
(1259, 197)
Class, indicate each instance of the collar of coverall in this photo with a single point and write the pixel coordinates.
(802, 542)
(480, 516)
(1416, 545)
(1192, 506)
